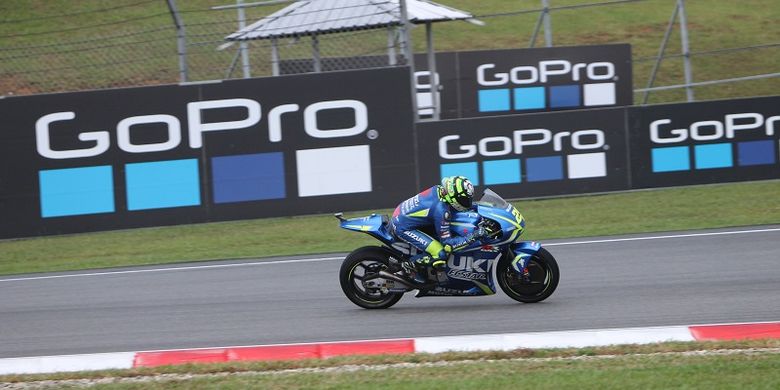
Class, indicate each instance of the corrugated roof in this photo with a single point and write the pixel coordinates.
(312, 17)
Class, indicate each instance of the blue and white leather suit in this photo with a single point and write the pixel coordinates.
(427, 209)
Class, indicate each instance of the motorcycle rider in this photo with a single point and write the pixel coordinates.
(433, 208)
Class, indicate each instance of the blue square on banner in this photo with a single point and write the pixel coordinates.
(501, 171)
(76, 191)
(756, 153)
(675, 158)
(162, 184)
(713, 156)
(544, 168)
(493, 100)
(565, 96)
(468, 169)
(246, 177)
(530, 98)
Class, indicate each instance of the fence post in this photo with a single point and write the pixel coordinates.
(315, 53)
(181, 41)
(243, 45)
(686, 51)
(274, 57)
(661, 52)
(391, 60)
(547, 23)
(409, 54)
(433, 78)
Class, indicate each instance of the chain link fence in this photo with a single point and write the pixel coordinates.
(58, 45)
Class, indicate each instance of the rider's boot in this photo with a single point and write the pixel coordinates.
(423, 262)
(420, 265)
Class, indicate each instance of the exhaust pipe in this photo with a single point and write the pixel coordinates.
(404, 282)
(396, 278)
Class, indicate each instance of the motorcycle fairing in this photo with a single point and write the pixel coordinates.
(509, 219)
(522, 252)
(468, 274)
(373, 225)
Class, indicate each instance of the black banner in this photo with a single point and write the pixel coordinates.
(180, 154)
(707, 142)
(503, 82)
(512, 81)
(529, 155)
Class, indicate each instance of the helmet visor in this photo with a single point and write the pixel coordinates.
(464, 201)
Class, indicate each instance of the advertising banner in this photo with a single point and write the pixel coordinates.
(707, 142)
(503, 82)
(512, 81)
(216, 151)
(529, 155)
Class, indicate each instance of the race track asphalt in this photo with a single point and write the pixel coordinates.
(700, 277)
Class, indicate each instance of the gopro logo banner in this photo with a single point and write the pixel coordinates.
(544, 72)
(215, 151)
(545, 79)
(529, 155)
(706, 142)
(507, 82)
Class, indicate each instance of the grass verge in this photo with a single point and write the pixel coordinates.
(732, 364)
(635, 212)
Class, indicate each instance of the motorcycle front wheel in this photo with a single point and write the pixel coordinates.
(539, 285)
(360, 266)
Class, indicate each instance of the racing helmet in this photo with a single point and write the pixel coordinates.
(457, 191)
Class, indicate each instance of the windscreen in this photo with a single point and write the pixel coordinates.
(492, 199)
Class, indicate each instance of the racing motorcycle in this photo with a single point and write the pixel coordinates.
(376, 277)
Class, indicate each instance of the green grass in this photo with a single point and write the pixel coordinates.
(730, 364)
(634, 212)
(703, 372)
(143, 51)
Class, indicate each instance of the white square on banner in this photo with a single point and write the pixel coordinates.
(330, 171)
(424, 99)
(599, 94)
(587, 165)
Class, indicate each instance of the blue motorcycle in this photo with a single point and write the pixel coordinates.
(376, 277)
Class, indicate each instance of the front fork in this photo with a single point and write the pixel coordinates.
(523, 251)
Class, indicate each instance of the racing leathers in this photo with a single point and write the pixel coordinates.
(428, 209)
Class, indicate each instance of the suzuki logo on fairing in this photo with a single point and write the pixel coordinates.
(467, 263)
(468, 268)
(196, 127)
(713, 129)
(503, 145)
(543, 72)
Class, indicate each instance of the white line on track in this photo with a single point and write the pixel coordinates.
(318, 259)
(184, 268)
(664, 237)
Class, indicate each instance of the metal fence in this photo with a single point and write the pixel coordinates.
(701, 49)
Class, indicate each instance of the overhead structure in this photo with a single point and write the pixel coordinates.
(318, 17)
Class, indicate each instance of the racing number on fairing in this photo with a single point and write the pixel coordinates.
(518, 216)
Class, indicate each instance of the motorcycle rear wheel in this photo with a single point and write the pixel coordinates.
(544, 277)
(360, 265)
